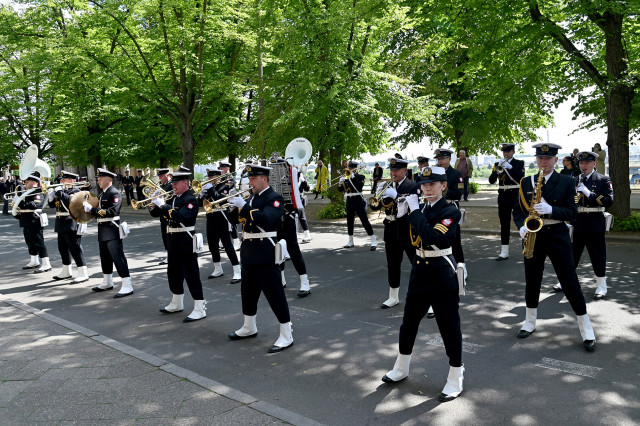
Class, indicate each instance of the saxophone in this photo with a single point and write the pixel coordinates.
(533, 223)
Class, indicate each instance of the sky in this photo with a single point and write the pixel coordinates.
(559, 134)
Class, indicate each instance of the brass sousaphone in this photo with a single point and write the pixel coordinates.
(76, 209)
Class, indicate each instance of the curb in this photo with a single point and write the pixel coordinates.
(204, 382)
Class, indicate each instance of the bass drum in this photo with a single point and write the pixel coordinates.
(76, 208)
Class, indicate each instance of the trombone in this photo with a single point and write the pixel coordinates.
(377, 199)
(80, 185)
(10, 195)
(222, 203)
(197, 185)
(347, 174)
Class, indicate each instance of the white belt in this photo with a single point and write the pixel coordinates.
(546, 222)
(390, 217)
(256, 235)
(62, 214)
(29, 211)
(171, 230)
(509, 186)
(108, 219)
(590, 209)
(353, 194)
(433, 253)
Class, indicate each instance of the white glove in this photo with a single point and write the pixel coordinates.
(207, 186)
(158, 201)
(584, 190)
(413, 202)
(507, 166)
(237, 202)
(523, 232)
(51, 193)
(87, 206)
(403, 208)
(342, 180)
(390, 193)
(542, 208)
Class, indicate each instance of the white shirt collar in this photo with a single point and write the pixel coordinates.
(590, 174)
(264, 190)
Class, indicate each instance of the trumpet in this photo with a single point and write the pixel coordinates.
(81, 185)
(197, 185)
(377, 198)
(221, 204)
(147, 201)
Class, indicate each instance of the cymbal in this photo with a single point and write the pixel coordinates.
(76, 209)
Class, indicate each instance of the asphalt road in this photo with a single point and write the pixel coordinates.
(344, 343)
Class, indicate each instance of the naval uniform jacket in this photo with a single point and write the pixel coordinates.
(559, 191)
(180, 209)
(455, 185)
(265, 211)
(64, 222)
(406, 187)
(601, 197)
(33, 201)
(353, 185)
(509, 177)
(109, 204)
(433, 228)
(127, 182)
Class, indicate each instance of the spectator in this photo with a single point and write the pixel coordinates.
(322, 175)
(375, 177)
(602, 154)
(465, 167)
(4, 190)
(569, 168)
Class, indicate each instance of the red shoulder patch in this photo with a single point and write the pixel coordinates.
(37, 197)
(190, 206)
(447, 222)
(116, 199)
(461, 179)
(276, 203)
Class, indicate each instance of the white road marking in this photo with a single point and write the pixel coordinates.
(301, 312)
(471, 348)
(374, 324)
(569, 367)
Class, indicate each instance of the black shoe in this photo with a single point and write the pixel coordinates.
(234, 336)
(55, 277)
(30, 267)
(373, 248)
(556, 289)
(523, 334)
(348, 246)
(39, 271)
(274, 349)
(387, 379)
(303, 293)
(120, 295)
(446, 398)
(98, 289)
(163, 262)
(598, 296)
(500, 258)
(164, 311)
(187, 319)
(236, 280)
(589, 345)
(430, 315)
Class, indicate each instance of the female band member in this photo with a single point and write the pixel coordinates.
(433, 280)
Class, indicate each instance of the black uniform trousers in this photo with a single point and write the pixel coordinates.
(506, 202)
(218, 230)
(112, 252)
(287, 231)
(263, 278)
(553, 241)
(596, 247)
(128, 190)
(302, 216)
(139, 193)
(357, 207)
(183, 266)
(394, 249)
(456, 245)
(70, 246)
(34, 238)
(437, 287)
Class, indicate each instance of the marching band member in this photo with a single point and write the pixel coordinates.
(69, 242)
(422, 163)
(138, 182)
(595, 193)
(180, 215)
(28, 213)
(303, 187)
(127, 184)
(396, 225)
(260, 218)
(224, 167)
(433, 280)
(455, 184)
(508, 173)
(356, 204)
(559, 202)
(109, 240)
(164, 176)
(218, 226)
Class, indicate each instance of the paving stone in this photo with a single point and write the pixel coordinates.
(59, 374)
(206, 404)
(130, 368)
(9, 390)
(97, 385)
(89, 372)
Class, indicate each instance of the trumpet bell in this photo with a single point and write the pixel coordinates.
(76, 209)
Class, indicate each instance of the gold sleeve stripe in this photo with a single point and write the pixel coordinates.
(170, 213)
(460, 185)
(251, 213)
(440, 227)
(599, 199)
(102, 212)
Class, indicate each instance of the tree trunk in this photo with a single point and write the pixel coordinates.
(232, 160)
(618, 112)
(187, 143)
